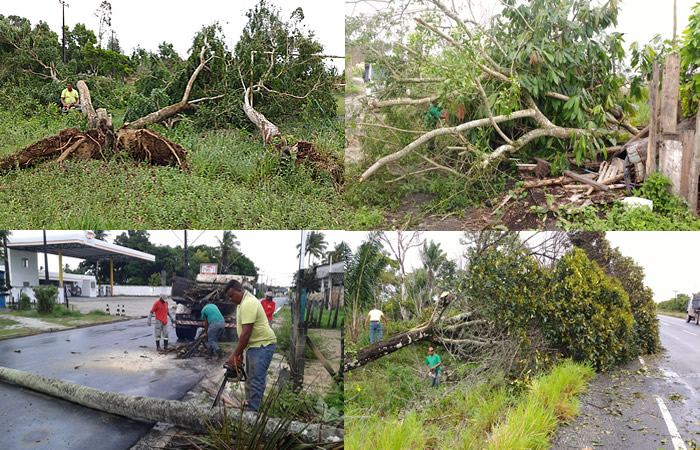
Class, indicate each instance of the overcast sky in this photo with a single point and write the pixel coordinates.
(669, 258)
(639, 20)
(148, 23)
(273, 252)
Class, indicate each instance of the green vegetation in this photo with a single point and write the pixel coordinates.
(7, 322)
(680, 315)
(234, 181)
(391, 406)
(46, 296)
(408, 178)
(679, 304)
(60, 315)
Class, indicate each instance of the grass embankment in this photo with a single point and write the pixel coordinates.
(680, 315)
(4, 323)
(390, 404)
(68, 318)
(235, 182)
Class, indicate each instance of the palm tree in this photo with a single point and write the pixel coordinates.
(341, 252)
(315, 245)
(228, 247)
(362, 276)
(101, 234)
(433, 258)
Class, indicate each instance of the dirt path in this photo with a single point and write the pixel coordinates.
(35, 324)
(328, 343)
(353, 113)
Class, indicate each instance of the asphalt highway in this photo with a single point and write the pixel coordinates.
(650, 403)
(117, 357)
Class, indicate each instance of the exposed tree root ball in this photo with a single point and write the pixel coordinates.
(147, 145)
(69, 143)
(307, 154)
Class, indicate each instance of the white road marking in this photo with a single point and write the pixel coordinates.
(675, 436)
(665, 323)
(689, 332)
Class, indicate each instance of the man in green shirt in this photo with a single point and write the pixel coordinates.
(69, 98)
(255, 337)
(434, 367)
(431, 119)
(213, 326)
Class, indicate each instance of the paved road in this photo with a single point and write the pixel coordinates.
(116, 357)
(622, 409)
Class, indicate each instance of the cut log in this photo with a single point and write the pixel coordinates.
(398, 341)
(174, 412)
(583, 179)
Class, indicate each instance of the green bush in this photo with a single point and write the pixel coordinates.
(46, 297)
(62, 311)
(25, 303)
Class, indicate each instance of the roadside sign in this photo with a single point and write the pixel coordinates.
(208, 269)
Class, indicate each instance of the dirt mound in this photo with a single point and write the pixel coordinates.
(71, 143)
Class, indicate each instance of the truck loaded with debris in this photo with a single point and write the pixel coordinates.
(694, 309)
(189, 295)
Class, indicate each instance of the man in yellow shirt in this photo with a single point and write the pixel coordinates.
(69, 98)
(374, 325)
(255, 337)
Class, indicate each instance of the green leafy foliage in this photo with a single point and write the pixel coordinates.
(25, 302)
(679, 303)
(46, 296)
(579, 309)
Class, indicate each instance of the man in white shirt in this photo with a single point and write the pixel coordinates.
(375, 325)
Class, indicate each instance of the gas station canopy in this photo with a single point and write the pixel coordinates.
(78, 245)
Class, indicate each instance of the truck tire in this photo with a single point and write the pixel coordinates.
(688, 319)
(186, 332)
(228, 335)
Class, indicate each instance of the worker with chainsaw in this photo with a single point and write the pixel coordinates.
(69, 98)
(160, 308)
(375, 326)
(255, 337)
(269, 306)
(213, 326)
(434, 365)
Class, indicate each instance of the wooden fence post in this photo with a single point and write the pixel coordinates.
(652, 148)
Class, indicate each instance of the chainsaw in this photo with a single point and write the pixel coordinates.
(234, 374)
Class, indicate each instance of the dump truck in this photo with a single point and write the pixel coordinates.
(694, 309)
(189, 294)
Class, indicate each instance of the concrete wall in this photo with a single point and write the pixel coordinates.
(138, 291)
(20, 275)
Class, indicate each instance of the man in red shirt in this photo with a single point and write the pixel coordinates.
(269, 306)
(160, 308)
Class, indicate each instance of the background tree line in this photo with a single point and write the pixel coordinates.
(32, 72)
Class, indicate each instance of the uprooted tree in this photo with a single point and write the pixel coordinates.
(538, 77)
(521, 303)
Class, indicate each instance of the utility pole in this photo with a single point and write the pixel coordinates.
(187, 262)
(46, 260)
(65, 5)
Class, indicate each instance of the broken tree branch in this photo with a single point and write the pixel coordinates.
(170, 110)
(439, 132)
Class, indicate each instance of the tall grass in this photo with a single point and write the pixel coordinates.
(550, 399)
(235, 182)
(489, 414)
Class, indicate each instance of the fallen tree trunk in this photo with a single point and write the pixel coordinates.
(398, 341)
(268, 130)
(174, 412)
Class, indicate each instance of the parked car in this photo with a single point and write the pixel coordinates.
(694, 309)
